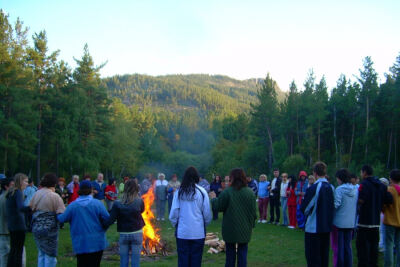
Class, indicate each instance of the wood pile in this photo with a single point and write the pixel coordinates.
(216, 245)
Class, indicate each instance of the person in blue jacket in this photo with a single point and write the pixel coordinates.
(87, 216)
(99, 186)
(318, 207)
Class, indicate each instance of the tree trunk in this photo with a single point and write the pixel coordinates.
(291, 144)
(395, 151)
(335, 136)
(57, 162)
(390, 149)
(366, 132)
(38, 147)
(271, 149)
(352, 140)
(319, 140)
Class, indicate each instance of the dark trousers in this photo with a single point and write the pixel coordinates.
(17, 240)
(190, 252)
(317, 249)
(341, 247)
(215, 215)
(232, 254)
(274, 209)
(89, 259)
(367, 246)
(262, 207)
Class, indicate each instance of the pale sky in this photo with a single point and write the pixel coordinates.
(241, 39)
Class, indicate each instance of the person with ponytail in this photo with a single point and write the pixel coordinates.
(190, 214)
(128, 213)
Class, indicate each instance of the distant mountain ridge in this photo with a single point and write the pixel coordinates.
(198, 91)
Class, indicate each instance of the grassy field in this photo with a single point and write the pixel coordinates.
(270, 246)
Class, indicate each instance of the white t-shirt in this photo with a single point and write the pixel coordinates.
(283, 188)
(273, 186)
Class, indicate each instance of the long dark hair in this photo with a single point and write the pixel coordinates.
(238, 178)
(293, 181)
(189, 181)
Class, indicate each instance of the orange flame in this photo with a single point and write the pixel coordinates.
(151, 238)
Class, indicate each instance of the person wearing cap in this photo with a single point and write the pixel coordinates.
(86, 216)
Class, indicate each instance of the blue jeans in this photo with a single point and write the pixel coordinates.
(284, 210)
(4, 249)
(45, 260)
(392, 240)
(231, 255)
(190, 252)
(133, 241)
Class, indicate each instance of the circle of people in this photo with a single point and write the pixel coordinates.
(369, 212)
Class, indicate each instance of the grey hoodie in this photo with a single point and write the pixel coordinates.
(346, 197)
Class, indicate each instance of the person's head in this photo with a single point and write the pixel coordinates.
(302, 175)
(238, 178)
(311, 179)
(174, 178)
(353, 179)
(85, 188)
(395, 176)
(20, 181)
(100, 177)
(366, 171)
(30, 182)
(293, 181)
(49, 180)
(384, 181)
(131, 191)
(284, 177)
(126, 178)
(61, 181)
(87, 177)
(217, 179)
(75, 178)
(343, 176)
(276, 172)
(6, 183)
(263, 178)
(161, 176)
(319, 169)
(111, 181)
(227, 180)
(189, 181)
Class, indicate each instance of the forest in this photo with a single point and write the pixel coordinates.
(55, 118)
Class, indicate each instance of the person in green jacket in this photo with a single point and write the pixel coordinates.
(238, 203)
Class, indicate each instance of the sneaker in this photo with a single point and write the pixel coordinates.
(162, 219)
(259, 221)
(291, 227)
(264, 221)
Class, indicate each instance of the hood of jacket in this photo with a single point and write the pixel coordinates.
(349, 189)
(84, 200)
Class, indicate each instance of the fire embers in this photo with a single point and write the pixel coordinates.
(216, 245)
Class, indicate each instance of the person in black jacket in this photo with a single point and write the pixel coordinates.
(372, 196)
(274, 198)
(15, 211)
(128, 213)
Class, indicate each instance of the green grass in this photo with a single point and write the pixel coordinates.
(270, 246)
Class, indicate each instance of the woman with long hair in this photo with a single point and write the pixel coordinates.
(216, 187)
(238, 203)
(190, 214)
(15, 211)
(128, 214)
(46, 204)
(86, 216)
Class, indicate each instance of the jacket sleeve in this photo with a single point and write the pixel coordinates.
(338, 198)
(387, 197)
(307, 199)
(221, 203)
(207, 210)
(141, 206)
(112, 218)
(66, 216)
(174, 213)
(103, 213)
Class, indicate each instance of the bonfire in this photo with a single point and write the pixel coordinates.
(152, 243)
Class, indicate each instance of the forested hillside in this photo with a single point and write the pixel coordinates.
(70, 120)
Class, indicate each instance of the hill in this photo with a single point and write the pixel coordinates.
(193, 91)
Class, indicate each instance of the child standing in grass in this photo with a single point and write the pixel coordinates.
(292, 202)
(263, 198)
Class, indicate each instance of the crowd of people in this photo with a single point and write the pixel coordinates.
(330, 217)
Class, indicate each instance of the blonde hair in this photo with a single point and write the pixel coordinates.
(263, 176)
(284, 174)
(18, 178)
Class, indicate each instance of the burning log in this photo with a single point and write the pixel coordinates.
(216, 245)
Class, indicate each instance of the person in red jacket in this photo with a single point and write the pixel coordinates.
(110, 193)
(73, 188)
(292, 203)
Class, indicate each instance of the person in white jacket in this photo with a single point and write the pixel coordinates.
(190, 214)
